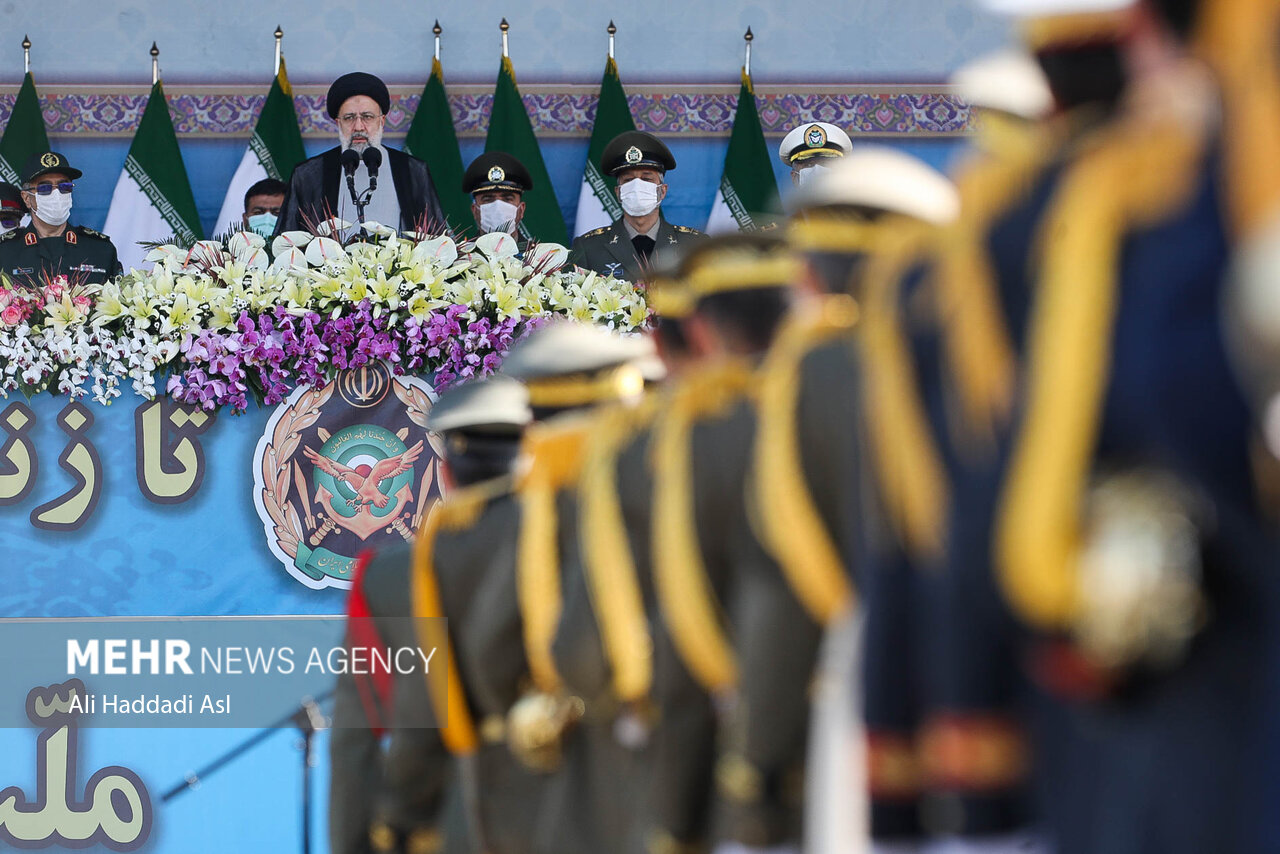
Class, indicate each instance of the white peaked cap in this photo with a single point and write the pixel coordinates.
(1008, 80)
(876, 176)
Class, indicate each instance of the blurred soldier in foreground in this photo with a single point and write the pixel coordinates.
(490, 565)
(1127, 533)
(406, 798)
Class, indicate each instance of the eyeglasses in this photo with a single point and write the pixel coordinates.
(46, 188)
(350, 118)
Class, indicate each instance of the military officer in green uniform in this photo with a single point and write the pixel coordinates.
(49, 247)
(406, 798)
(496, 183)
(640, 163)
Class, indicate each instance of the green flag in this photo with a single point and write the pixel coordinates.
(274, 149)
(511, 131)
(24, 135)
(597, 204)
(152, 200)
(432, 138)
(748, 194)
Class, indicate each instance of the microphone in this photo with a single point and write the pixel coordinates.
(372, 158)
(350, 159)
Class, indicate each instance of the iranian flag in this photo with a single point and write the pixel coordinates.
(597, 204)
(152, 201)
(511, 131)
(24, 135)
(748, 194)
(432, 138)
(274, 149)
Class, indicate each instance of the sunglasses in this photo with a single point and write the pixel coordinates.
(46, 189)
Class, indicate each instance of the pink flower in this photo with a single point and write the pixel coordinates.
(11, 316)
(6, 298)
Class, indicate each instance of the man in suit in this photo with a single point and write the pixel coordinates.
(358, 102)
(624, 250)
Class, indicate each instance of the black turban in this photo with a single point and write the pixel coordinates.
(357, 83)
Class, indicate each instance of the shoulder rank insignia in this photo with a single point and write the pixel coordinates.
(597, 231)
(11, 235)
(684, 229)
(89, 232)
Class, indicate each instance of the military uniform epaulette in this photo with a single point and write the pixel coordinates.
(596, 231)
(684, 229)
(89, 232)
(462, 508)
(11, 235)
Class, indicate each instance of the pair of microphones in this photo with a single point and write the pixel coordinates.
(350, 159)
(372, 158)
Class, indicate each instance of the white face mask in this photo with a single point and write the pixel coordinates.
(54, 208)
(812, 173)
(498, 215)
(638, 197)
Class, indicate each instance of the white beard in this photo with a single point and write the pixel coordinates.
(375, 140)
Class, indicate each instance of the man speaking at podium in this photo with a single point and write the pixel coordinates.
(360, 180)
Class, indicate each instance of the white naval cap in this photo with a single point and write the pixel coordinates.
(564, 347)
(1008, 80)
(814, 139)
(495, 403)
(1048, 8)
(876, 176)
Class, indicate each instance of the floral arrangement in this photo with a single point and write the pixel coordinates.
(229, 320)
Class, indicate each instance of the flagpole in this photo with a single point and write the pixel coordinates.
(746, 65)
(279, 34)
(612, 30)
(155, 64)
(504, 26)
(26, 54)
(437, 30)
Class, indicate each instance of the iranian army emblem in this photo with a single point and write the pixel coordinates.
(344, 468)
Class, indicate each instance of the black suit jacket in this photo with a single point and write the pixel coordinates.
(313, 192)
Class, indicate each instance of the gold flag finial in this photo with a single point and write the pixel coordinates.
(504, 26)
(279, 34)
(746, 64)
(437, 30)
(26, 54)
(155, 64)
(613, 31)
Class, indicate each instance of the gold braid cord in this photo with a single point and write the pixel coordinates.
(606, 550)
(789, 524)
(1135, 176)
(554, 452)
(975, 335)
(912, 477)
(689, 607)
(457, 728)
(275, 468)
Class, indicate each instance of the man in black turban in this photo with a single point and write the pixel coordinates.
(373, 183)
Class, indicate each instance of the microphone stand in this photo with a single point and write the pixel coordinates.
(361, 199)
(309, 719)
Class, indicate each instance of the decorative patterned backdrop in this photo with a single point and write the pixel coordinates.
(565, 111)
